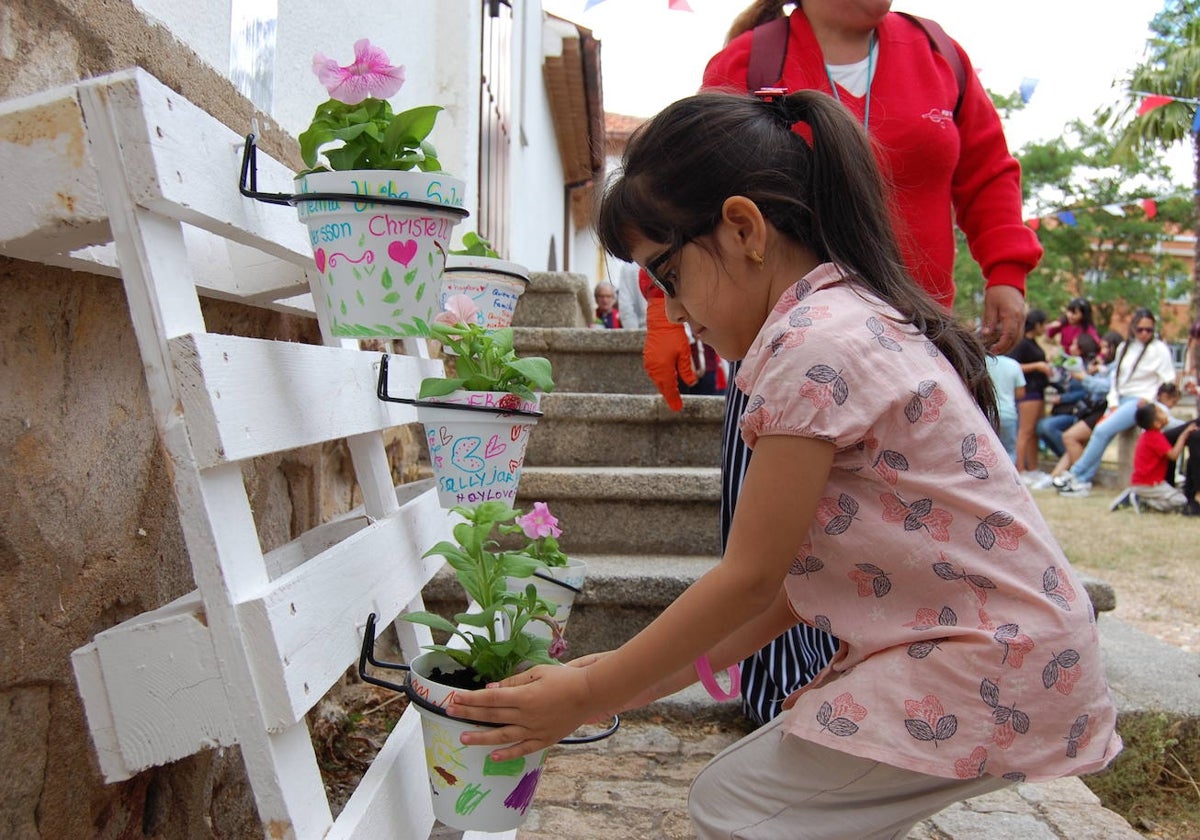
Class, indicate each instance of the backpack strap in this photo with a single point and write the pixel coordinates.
(768, 47)
(941, 43)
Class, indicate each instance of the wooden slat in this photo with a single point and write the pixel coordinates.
(245, 397)
(55, 204)
(308, 626)
(162, 135)
(164, 688)
(89, 677)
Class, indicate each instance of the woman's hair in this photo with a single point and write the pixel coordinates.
(758, 12)
(1084, 308)
(1139, 314)
(1088, 346)
(1034, 318)
(826, 195)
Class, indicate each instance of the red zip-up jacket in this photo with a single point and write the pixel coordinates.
(932, 161)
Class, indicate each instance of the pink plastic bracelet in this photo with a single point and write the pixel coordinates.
(704, 671)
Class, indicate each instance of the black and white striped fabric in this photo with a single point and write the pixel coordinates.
(793, 659)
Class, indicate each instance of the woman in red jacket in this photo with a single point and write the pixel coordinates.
(940, 143)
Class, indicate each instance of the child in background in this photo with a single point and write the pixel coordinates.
(875, 506)
(1150, 458)
(607, 315)
(1009, 383)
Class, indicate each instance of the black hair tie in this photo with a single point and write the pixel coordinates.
(787, 110)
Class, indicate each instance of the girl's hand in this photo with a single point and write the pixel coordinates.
(537, 708)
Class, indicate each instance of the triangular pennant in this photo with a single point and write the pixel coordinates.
(1027, 88)
(1067, 217)
(1034, 223)
(1115, 209)
(1150, 206)
(1151, 102)
(679, 5)
(591, 3)
(1196, 122)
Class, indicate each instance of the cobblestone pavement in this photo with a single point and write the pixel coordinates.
(634, 786)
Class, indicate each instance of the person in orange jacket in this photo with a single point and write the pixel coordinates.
(667, 353)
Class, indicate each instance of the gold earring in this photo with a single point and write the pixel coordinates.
(756, 258)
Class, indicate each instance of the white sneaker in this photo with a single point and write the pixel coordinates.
(1045, 482)
(1061, 480)
(1032, 477)
(1077, 489)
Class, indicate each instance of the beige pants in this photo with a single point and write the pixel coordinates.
(774, 786)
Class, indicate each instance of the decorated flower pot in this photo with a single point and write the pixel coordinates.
(470, 791)
(493, 284)
(477, 442)
(379, 266)
(557, 585)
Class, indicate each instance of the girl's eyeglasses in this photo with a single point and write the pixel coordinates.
(662, 281)
(1147, 330)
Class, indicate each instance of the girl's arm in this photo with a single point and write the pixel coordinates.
(778, 500)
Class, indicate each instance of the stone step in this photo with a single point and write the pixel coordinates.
(630, 510)
(555, 299)
(596, 361)
(626, 431)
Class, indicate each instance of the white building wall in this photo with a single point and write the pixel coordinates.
(438, 42)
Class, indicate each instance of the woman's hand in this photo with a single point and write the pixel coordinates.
(537, 708)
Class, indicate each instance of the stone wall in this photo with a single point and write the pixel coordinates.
(89, 533)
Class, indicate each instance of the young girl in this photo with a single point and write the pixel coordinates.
(878, 504)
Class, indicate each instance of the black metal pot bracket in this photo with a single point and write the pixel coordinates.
(381, 391)
(248, 186)
(367, 656)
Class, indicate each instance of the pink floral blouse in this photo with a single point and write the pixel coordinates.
(968, 643)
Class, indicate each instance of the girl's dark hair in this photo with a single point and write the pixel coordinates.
(1113, 339)
(1033, 318)
(827, 195)
(1084, 308)
(1088, 346)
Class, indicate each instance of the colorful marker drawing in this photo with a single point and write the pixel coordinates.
(522, 795)
(470, 799)
(442, 752)
(512, 767)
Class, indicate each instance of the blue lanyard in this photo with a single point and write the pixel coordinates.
(870, 78)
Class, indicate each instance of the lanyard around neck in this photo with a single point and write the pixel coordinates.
(870, 78)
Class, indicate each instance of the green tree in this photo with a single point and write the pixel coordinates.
(1171, 68)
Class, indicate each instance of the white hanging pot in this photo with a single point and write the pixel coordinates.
(493, 284)
(558, 585)
(477, 442)
(379, 266)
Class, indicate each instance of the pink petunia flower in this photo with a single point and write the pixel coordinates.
(539, 522)
(369, 75)
(460, 309)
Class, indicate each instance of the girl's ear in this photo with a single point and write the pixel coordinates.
(745, 223)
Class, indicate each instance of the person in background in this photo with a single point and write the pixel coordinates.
(1148, 484)
(1075, 320)
(1029, 354)
(943, 151)
(607, 315)
(1067, 391)
(1009, 382)
(1143, 363)
(1188, 377)
(867, 507)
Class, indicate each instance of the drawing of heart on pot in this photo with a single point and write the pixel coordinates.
(379, 266)
(477, 442)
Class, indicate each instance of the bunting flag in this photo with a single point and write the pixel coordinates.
(674, 5)
(1070, 218)
(1153, 101)
(1027, 88)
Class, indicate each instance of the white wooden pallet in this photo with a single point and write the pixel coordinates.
(119, 175)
